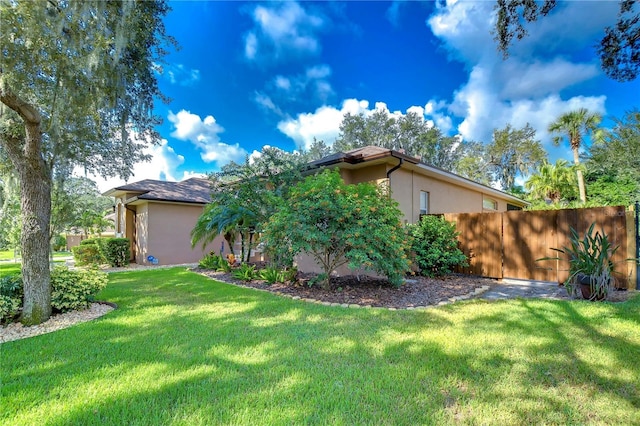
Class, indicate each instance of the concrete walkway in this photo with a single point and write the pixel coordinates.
(511, 288)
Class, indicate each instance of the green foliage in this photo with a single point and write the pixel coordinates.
(75, 289)
(88, 254)
(409, 132)
(245, 196)
(10, 297)
(340, 224)
(77, 203)
(116, 251)
(272, 275)
(619, 49)
(613, 163)
(211, 261)
(245, 272)
(59, 242)
(78, 88)
(553, 183)
(574, 126)
(434, 242)
(512, 152)
(590, 256)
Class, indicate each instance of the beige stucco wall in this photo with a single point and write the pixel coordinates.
(164, 231)
(444, 197)
(367, 174)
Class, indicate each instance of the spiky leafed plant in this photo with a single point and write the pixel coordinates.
(575, 125)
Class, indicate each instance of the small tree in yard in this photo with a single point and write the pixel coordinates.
(340, 224)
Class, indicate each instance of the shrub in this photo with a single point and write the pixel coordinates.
(59, 242)
(435, 246)
(245, 272)
(75, 289)
(211, 261)
(88, 254)
(10, 297)
(339, 224)
(116, 251)
(272, 275)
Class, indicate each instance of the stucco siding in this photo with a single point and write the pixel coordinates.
(169, 234)
(366, 174)
(444, 197)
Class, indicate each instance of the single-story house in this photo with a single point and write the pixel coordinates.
(159, 216)
(417, 187)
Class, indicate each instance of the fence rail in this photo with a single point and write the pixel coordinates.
(508, 244)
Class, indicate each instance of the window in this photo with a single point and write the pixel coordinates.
(489, 204)
(424, 202)
(512, 207)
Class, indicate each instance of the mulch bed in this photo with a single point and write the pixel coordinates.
(365, 290)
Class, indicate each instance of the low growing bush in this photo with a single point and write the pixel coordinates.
(116, 251)
(89, 252)
(75, 289)
(272, 275)
(245, 272)
(10, 297)
(435, 244)
(211, 261)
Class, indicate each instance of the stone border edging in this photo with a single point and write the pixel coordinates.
(476, 292)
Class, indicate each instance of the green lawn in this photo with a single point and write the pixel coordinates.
(8, 255)
(186, 350)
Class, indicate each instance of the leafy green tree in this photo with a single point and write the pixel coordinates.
(77, 203)
(575, 125)
(474, 163)
(613, 163)
(77, 79)
(514, 151)
(409, 132)
(552, 182)
(316, 151)
(339, 224)
(619, 49)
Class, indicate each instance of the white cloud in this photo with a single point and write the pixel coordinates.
(282, 30)
(179, 74)
(204, 134)
(528, 86)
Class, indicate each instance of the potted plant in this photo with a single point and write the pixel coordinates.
(590, 266)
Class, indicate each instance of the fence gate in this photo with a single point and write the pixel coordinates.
(507, 245)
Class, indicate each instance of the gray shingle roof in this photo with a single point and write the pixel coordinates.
(193, 190)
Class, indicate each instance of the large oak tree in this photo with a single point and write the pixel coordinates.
(77, 87)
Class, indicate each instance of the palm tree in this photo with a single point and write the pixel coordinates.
(228, 220)
(575, 125)
(553, 182)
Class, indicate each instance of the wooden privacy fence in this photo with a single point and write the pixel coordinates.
(506, 245)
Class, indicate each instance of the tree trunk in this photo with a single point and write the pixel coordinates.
(583, 192)
(35, 202)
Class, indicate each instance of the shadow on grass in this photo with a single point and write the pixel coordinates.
(185, 349)
(589, 350)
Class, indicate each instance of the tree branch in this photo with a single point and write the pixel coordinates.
(28, 113)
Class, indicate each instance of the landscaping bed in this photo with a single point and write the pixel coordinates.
(368, 291)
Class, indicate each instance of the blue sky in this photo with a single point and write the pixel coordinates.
(278, 74)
